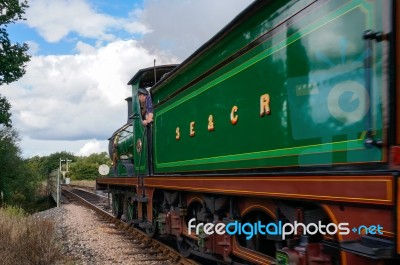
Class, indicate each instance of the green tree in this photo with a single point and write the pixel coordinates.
(5, 114)
(36, 166)
(99, 159)
(52, 162)
(13, 57)
(87, 167)
(15, 181)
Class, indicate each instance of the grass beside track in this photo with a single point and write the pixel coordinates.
(27, 239)
(84, 183)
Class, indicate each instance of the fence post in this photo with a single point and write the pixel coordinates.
(58, 189)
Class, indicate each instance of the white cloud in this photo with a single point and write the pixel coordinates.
(54, 20)
(33, 47)
(77, 97)
(91, 147)
(75, 102)
(33, 147)
(181, 27)
(133, 24)
(84, 48)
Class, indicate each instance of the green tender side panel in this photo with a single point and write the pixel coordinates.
(230, 44)
(310, 65)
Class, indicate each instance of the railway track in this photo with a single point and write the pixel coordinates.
(152, 249)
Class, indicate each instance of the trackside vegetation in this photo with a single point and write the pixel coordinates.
(26, 239)
(23, 181)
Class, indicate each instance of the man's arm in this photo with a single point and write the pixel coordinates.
(149, 118)
(149, 111)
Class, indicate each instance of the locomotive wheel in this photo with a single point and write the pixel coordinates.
(130, 210)
(116, 206)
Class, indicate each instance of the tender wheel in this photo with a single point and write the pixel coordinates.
(258, 242)
(152, 231)
(192, 211)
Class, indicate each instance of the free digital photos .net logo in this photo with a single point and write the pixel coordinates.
(282, 229)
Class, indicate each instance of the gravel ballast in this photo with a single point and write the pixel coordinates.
(85, 239)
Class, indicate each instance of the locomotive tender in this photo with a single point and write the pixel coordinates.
(288, 115)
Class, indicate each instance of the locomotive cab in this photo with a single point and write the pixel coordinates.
(127, 140)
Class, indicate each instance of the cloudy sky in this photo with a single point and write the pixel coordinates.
(83, 54)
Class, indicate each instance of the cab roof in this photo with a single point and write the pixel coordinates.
(145, 76)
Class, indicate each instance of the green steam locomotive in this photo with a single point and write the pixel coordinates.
(288, 115)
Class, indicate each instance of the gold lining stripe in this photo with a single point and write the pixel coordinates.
(321, 197)
(298, 179)
(257, 206)
(333, 219)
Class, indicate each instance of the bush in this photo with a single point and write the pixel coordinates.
(26, 239)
